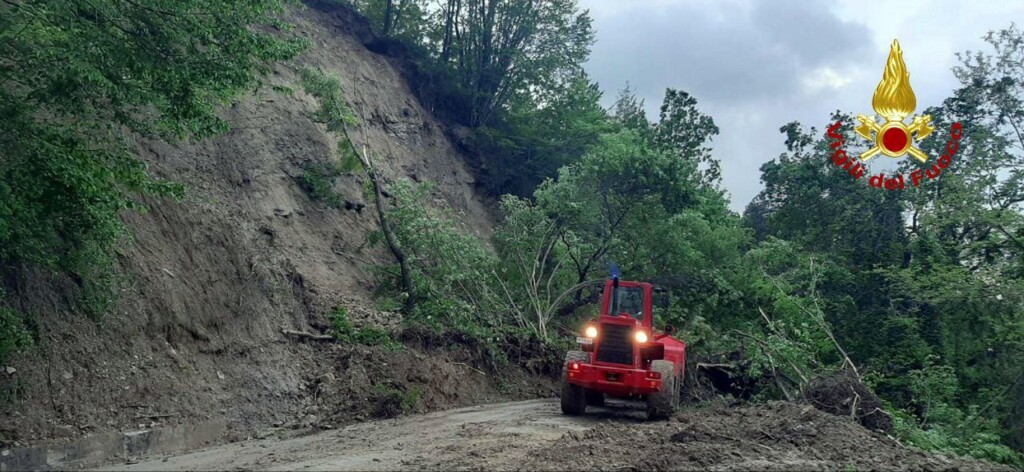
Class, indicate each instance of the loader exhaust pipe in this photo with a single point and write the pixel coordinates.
(615, 292)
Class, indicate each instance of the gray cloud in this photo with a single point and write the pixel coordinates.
(755, 65)
(755, 53)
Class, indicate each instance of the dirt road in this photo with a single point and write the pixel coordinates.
(504, 432)
(533, 435)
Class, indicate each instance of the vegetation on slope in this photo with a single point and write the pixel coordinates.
(921, 289)
(80, 82)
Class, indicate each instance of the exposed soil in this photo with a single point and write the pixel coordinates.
(533, 435)
(772, 436)
(844, 394)
(210, 282)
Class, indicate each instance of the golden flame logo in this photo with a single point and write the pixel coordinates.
(894, 100)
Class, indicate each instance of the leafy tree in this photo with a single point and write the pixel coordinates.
(504, 50)
(925, 288)
(628, 111)
(80, 80)
(683, 130)
(403, 19)
(532, 142)
(534, 269)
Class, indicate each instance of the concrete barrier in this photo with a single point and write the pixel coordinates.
(105, 448)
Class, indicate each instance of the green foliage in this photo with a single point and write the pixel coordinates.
(318, 180)
(509, 51)
(333, 110)
(343, 331)
(452, 270)
(81, 80)
(510, 70)
(495, 52)
(948, 437)
(408, 17)
(13, 334)
(411, 399)
(532, 142)
(683, 129)
(392, 401)
(922, 286)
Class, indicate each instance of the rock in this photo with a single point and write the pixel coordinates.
(10, 370)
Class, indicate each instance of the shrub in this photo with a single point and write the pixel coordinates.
(391, 401)
(343, 331)
(13, 335)
(318, 179)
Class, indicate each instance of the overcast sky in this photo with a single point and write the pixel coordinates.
(757, 65)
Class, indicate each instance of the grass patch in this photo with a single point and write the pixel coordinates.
(344, 331)
(14, 335)
(391, 401)
(318, 180)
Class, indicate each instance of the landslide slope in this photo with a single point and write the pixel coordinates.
(210, 282)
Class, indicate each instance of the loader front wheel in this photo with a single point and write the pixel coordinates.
(662, 404)
(574, 398)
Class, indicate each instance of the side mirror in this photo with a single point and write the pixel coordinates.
(661, 298)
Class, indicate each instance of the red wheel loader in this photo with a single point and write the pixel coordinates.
(622, 356)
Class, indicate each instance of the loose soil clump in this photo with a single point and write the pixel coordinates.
(843, 394)
(771, 436)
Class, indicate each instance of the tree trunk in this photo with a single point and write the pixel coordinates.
(388, 12)
(389, 235)
(449, 23)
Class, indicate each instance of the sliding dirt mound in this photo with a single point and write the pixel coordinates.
(844, 395)
(359, 383)
(210, 283)
(773, 436)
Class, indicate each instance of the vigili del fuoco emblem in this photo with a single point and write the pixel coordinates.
(894, 101)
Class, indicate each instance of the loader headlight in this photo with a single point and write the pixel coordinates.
(590, 332)
(640, 336)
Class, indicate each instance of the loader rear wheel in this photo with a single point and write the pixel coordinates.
(662, 404)
(574, 399)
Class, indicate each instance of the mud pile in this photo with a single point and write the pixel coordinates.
(772, 436)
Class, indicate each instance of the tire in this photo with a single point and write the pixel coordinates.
(662, 404)
(574, 400)
(594, 398)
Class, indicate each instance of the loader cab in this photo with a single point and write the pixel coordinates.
(628, 299)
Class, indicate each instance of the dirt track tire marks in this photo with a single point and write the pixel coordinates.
(534, 435)
(497, 435)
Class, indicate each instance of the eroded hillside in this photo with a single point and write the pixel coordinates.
(209, 283)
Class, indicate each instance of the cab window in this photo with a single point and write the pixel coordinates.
(629, 300)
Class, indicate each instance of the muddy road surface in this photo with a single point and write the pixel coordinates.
(505, 432)
(533, 435)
